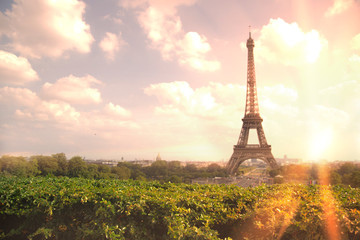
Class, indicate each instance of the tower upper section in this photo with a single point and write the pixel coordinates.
(252, 106)
(250, 42)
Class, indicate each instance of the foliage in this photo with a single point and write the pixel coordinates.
(349, 174)
(79, 208)
(58, 165)
(345, 173)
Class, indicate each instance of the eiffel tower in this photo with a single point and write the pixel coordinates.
(252, 120)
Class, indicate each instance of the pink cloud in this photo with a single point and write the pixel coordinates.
(74, 89)
(16, 70)
(47, 28)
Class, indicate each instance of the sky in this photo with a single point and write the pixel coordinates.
(133, 78)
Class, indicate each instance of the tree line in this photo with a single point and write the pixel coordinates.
(346, 173)
(59, 165)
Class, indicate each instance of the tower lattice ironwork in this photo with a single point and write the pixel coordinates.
(252, 120)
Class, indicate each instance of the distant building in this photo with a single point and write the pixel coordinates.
(103, 162)
(287, 161)
(158, 157)
(143, 163)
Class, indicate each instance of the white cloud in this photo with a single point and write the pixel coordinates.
(355, 42)
(344, 96)
(164, 29)
(29, 105)
(117, 110)
(47, 28)
(278, 100)
(339, 6)
(355, 59)
(325, 126)
(168, 7)
(55, 110)
(319, 115)
(178, 96)
(73, 89)
(32, 111)
(21, 96)
(111, 44)
(219, 101)
(281, 42)
(16, 70)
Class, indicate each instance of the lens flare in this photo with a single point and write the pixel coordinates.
(319, 143)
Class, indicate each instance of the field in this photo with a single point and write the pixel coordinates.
(76, 208)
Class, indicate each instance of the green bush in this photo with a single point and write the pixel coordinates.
(78, 208)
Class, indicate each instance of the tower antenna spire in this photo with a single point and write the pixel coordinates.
(249, 31)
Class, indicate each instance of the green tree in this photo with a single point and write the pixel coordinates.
(46, 164)
(105, 171)
(335, 178)
(121, 172)
(213, 167)
(274, 172)
(18, 166)
(62, 164)
(174, 166)
(190, 167)
(175, 179)
(355, 179)
(346, 168)
(77, 167)
(158, 169)
(92, 171)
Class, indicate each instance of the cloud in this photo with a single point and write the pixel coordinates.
(278, 100)
(344, 95)
(71, 89)
(338, 7)
(325, 126)
(281, 42)
(16, 70)
(111, 44)
(29, 105)
(212, 114)
(355, 42)
(47, 28)
(165, 6)
(32, 111)
(117, 110)
(116, 19)
(178, 96)
(220, 101)
(59, 111)
(18, 96)
(164, 30)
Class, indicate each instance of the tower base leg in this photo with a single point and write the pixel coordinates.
(239, 156)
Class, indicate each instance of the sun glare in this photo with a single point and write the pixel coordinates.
(320, 143)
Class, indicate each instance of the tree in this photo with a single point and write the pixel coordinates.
(346, 168)
(77, 167)
(121, 172)
(62, 164)
(175, 179)
(46, 164)
(158, 169)
(18, 166)
(213, 167)
(104, 171)
(274, 172)
(335, 178)
(92, 171)
(190, 167)
(174, 166)
(355, 179)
